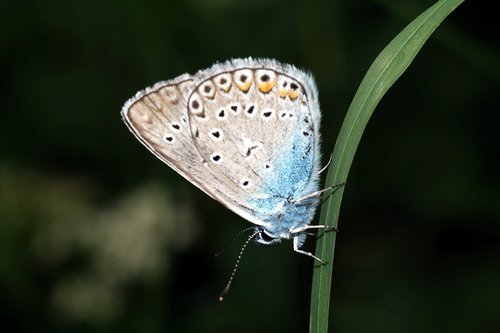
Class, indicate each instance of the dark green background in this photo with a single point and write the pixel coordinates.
(98, 235)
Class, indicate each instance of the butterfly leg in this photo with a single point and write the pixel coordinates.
(307, 227)
(296, 245)
(326, 166)
(318, 193)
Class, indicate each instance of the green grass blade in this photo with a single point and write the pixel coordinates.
(384, 71)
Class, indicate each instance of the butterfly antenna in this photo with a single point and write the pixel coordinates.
(233, 240)
(228, 285)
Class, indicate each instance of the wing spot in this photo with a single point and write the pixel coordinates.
(250, 110)
(267, 114)
(176, 127)
(216, 158)
(265, 80)
(223, 82)
(169, 139)
(216, 134)
(306, 153)
(171, 95)
(245, 183)
(207, 89)
(201, 115)
(235, 108)
(222, 114)
(243, 79)
(305, 133)
(249, 151)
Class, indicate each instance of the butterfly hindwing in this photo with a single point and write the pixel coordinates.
(253, 124)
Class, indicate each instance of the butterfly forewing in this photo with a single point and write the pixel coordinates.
(158, 118)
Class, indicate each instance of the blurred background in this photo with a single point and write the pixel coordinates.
(97, 235)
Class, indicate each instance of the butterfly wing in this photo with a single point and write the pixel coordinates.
(158, 118)
(256, 124)
(245, 132)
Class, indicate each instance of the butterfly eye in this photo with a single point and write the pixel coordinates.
(265, 238)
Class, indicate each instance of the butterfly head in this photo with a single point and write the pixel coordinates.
(268, 237)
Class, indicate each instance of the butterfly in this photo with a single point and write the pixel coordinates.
(245, 132)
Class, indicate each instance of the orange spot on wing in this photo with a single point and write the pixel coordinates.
(244, 86)
(293, 95)
(265, 86)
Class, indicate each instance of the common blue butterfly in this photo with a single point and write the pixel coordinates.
(246, 132)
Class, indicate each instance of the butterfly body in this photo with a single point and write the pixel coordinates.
(246, 132)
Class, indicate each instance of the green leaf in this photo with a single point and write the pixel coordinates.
(384, 71)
